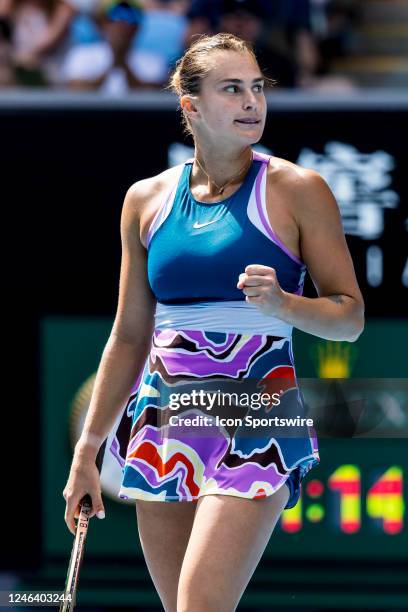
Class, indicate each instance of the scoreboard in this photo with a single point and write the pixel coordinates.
(353, 505)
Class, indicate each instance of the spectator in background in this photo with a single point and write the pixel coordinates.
(43, 31)
(39, 27)
(160, 41)
(334, 21)
(108, 65)
(7, 74)
(5, 9)
(279, 29)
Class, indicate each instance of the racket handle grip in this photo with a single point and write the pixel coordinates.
(86, 499)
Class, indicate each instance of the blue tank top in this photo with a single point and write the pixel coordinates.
(197, 250)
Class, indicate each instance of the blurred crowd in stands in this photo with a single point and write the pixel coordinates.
(115, 46)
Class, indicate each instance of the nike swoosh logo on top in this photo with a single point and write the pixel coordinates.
(198, 225)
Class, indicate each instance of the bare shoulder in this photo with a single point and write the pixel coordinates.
(306, 190)
(141, 194)
(295, 178)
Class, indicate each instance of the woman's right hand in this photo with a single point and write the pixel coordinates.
(83, 478)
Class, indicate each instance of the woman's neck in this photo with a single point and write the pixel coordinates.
(219, 171)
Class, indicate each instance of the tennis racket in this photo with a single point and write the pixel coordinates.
(71, 583)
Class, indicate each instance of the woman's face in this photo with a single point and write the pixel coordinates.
(231, 105)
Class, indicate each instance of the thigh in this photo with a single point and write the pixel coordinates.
(164, 529)
(228, 538)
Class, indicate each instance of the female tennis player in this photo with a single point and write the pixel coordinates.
(215, 252)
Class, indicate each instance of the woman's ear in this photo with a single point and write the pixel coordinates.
(187, 104)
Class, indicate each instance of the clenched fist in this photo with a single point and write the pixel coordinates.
(261, 287)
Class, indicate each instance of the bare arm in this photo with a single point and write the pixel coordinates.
(123, 357)
(338, 312)
(129, 341)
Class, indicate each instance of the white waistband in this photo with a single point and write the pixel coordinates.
(237, 316)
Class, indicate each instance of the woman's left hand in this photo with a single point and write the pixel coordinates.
(261, 287)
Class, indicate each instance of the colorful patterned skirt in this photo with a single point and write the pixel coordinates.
(199, 427)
